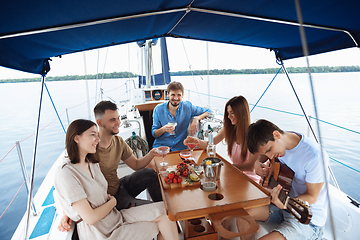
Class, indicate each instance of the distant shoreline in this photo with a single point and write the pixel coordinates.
(319, 69)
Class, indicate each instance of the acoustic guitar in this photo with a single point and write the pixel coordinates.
(283, 175)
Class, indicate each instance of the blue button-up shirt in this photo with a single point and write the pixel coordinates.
(162, 116)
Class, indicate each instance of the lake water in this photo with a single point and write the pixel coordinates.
(338, 104)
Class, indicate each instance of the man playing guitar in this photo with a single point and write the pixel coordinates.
(304, 157)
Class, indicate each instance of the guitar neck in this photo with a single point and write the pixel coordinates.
(295, 206)
(283, 197)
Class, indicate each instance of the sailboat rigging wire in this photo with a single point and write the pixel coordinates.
(102, 93)
(282, 111)
(306, 54)
(87, 88)
(57, 114)
(192, 74)
(151, 60)
(297, 97)
(208, 69)
(34, 160)
(97, 73)
(128, 52)
(299, 115)
(54, 121)
(102, 76)
(266, 89)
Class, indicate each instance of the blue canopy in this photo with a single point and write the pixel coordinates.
(34, 31)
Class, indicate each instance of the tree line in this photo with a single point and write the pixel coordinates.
(319, 69)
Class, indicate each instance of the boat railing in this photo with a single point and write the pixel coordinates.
(8, 155)
(25, 176)
(67, 115)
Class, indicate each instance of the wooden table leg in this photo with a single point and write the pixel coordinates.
(199, 229)
(246, 225)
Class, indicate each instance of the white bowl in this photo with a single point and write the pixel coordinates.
(209, 186)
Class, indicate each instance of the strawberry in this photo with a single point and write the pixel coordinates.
(179, 180)
(175, 181)
(171, 175)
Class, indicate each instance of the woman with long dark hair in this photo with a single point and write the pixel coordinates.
(236, 121)
(82, 193)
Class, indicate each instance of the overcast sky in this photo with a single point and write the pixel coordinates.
(183, 55)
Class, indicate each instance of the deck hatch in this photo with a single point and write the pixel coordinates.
(44, 223)
(50, 198)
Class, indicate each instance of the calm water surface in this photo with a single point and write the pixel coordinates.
(338, 103)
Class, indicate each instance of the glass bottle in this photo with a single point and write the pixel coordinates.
(211, 148)
(210, 178)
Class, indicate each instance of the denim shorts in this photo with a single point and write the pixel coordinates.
(291, 228)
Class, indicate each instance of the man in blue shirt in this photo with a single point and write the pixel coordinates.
(177, 111)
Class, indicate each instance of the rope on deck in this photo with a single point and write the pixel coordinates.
(135, 142)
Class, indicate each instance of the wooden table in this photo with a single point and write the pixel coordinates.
(238, 192)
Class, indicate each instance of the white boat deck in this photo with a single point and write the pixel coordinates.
(44, 225)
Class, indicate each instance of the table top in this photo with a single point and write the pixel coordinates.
(237, 191)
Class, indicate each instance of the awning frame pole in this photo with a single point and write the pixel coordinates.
(186, 10)
(34, 160)
(306, 54)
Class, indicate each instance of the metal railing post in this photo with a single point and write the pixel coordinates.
(25, 175)
(67, 115)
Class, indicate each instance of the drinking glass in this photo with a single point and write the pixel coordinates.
(172, 124)
(191, 145)
(185, 155)
(163, 150)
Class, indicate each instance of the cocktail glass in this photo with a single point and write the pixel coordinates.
(172, 124)
(191, 145)
(163, 150)
(185, 155)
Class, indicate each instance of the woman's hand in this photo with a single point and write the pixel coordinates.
(65, 224)
(191, 139)
(112, 198)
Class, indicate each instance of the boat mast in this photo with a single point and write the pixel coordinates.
(34, 160)
(208, 77)
(148, 62)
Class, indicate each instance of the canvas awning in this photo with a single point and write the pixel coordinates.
(31, 32)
